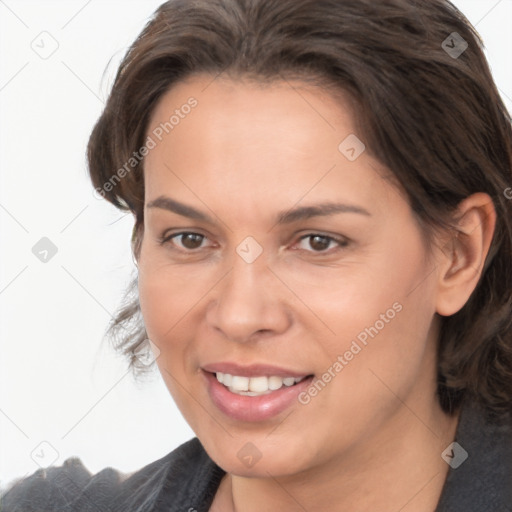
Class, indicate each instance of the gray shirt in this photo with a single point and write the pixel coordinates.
(186, 479)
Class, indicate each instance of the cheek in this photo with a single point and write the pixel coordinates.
(168, 300)
(399, 354)
(367, 293)
(158, 301)
(379, 311)
(167, 293)
(172, 303)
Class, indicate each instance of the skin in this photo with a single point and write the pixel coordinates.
(372, 438)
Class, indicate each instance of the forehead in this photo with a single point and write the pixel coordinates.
(277, 141)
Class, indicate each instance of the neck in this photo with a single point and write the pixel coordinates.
(399, 469)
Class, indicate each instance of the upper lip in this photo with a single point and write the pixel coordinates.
(252, 370)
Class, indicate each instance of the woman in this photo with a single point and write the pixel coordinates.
(323, 235)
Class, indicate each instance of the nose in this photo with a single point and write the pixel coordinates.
(249, 303)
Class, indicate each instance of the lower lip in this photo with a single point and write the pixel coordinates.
(253, 408)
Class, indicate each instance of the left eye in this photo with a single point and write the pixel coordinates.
(319, 243)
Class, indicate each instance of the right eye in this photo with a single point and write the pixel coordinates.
(188, 241)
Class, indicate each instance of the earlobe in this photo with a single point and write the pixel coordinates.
(465, 253)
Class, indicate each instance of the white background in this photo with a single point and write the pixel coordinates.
(60, 383)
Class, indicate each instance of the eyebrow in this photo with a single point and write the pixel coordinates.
(284, 217)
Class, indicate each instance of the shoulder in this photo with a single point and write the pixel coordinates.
(480, 476)
(54, 488)
(72, 487)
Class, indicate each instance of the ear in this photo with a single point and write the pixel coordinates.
(464, 253)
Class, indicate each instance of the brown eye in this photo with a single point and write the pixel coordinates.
(191, 240)
(319, 243)
(187, 240)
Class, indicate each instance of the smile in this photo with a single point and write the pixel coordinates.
(255, 386)
(253, 394)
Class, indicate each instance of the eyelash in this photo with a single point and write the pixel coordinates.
(342, 242)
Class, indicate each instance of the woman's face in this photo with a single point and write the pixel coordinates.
(276, 248)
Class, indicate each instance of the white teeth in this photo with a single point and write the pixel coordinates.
(258, 384)
(275, 383)
(240, 383)
(255, 386)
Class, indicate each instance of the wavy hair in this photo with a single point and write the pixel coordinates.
(433, 117)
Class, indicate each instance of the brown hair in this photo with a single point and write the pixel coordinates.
(434, 118)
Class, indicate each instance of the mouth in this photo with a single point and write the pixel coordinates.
(254, 393)
(258, 385)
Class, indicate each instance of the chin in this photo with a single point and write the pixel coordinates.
(257, 458)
